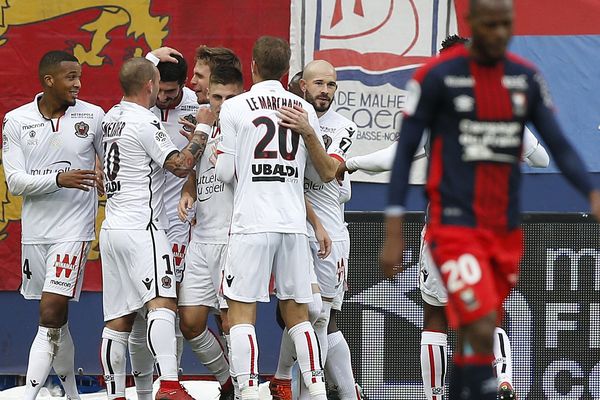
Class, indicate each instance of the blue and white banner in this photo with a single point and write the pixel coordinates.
(376, 47)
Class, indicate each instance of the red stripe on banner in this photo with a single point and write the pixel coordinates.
(311, 354)
(432, 367)
(370, 61)
(544, 18)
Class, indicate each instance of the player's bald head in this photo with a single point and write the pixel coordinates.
(318, 68)
(477, 6)
(135, 74)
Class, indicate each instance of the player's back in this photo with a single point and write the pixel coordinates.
(269, 161)
(135, 148)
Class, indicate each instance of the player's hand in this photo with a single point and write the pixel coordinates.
(595, 204)
(341, 171)
(204, 115)
(164, 54)
(82, 179)
(296, 119)
(186, 203)
(187, 129)
(390, 257)
(324, 242)
(100, 182)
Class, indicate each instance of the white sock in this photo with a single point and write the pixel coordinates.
(503, 357)
(64, 363)
(142, 360)
(162, 343)
(338, 367)
(179, 340)
(320, 327)
(434, 355)
(244, 359)
(287, 352)
(113, 355)
(309, 359)
(208, 350)
(236, 386)
(41, 355)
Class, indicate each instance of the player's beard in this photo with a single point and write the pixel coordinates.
(315, 101)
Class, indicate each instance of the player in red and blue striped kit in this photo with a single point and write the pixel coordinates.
(475, 100)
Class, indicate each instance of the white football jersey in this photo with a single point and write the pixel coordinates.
(214, 199)
(135, 149)
(270, 161)
(34, 151)
(169, 118)
(337, 134)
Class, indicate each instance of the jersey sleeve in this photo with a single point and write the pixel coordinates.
(378, 161)
(534, 154)
(20, 182)
(98, 134)
(567, 160)
(225, 166)
(342, 142)
(156, 141)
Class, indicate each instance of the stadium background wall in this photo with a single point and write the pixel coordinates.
(553, 316)
(561, 351)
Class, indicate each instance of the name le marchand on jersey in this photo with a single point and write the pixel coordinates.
(34, 151)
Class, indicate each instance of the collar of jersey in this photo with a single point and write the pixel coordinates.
(129, 105)
(271, 84)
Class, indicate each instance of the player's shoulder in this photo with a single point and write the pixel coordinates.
(189, 100)
(336, 120)
(445, 63)
(518, 64)
(87, 107)
(23, 111)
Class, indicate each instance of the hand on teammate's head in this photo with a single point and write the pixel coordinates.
(164, 54)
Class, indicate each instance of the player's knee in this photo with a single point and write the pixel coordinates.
(53, 314)
(191, 327)
(434, 318)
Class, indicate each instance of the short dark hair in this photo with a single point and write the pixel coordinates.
(272, 57)
(453, 40)
(226, 75)
(171, 72)
(215, 56)
(51, 60)
(134, 74)
(294, 84)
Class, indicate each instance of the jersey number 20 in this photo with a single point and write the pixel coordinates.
(260, 152)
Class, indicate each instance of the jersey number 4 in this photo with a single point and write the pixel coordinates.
(260, 150)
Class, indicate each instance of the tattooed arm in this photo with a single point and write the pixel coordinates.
(182, 162)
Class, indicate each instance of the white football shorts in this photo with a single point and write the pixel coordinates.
(431, 285)
(201, 284)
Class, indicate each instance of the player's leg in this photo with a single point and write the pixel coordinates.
(247, 274)
(197, 297)
(59, 268)
(292, 280)
(434, 338)
(113, 354)
(142, 361)
(178, 235)
(503, 364)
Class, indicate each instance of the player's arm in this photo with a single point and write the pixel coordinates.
(320, 233)
(188, 196)
(180, 163)
(163, 54)
(564, 154)
(21, 183)
(534, 153)
(378, 161)
(307, 125)
(225, 166)
(423, 91)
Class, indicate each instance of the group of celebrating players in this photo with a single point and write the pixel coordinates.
(215, 196)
